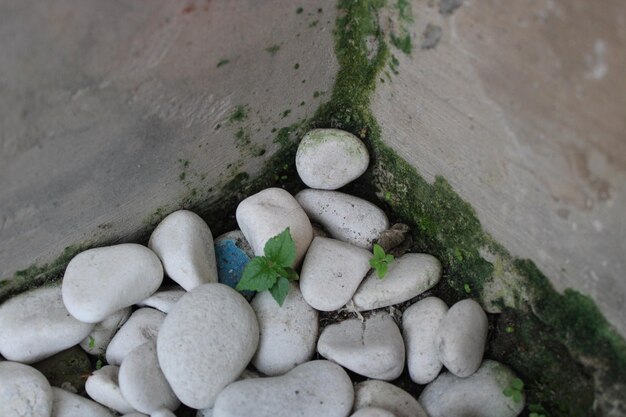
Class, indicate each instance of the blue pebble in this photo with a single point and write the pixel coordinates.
(231, 261)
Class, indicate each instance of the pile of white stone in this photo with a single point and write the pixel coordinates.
(204, 345)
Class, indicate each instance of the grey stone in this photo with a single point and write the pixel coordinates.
(408, 276)
(104, 388)
(97, 341)
(164, 299)
(373, 348)
(380, 394)
(269, 212)
(35, 325)
(328, 159)
(331, 273)
(24, 391)
(372, 412)
(184, 243)
(142, 326)
(287, 334)
(420, 323)
(66, 369)
(142, 382)
(98, 282)
(317, 388)
(481, 394)
(66, 404)
(164, 412)
(205, 343)
(345, 217)
(461, 337)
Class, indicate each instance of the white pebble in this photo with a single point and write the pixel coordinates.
(24, 391)
(372, 412)
(331, 273)
(268, 213)
(35, 325)
(380, 394)
(66, 404)
(205, 343)
(97, 341)
(164, 412)
(345, 217)
(142, 326)
(98, 282)
(103, 387)
(328, 159)
(317, 388)
(461, 337)
(373, 348)
(184, 243)
(478, 395)
(420, 323)
(164, 299)
(408, 276)
(287, 333)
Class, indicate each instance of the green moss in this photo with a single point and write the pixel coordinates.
(285, 113)
(238, 114)
(296, 66)
(402, 42)
(299, 10)
(272, 49)
(222, 62)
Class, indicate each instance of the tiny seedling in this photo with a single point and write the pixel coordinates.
(467, 288)
(509, 329)
(515, 390)
(380, 262)
(273, 271)
(92, 342)
(99, 363)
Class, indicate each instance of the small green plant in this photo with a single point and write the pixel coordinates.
(509, 329)
(92, 342)
(99, 363)
(467, 288)
(380, 262)
(537, 410)
(273, 271)
(515, 390)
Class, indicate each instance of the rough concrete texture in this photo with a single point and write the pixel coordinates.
(521, 107)
(109, 110)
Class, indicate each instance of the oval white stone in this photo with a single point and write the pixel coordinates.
(206, 341)
(408, 276)
(478, 395)
(66, 404)
(269, 212)
(24, 391)
(461, 337)
(97, 341)
(373, 348)
(331, 273)
(164, 299)
(143, 384)
(184, 243)
(103, 387)
(345, 217)
(35, 325)
(317, 388)
(420, 323)
(328, 159)
(372, 412)
(287, 333)
(142, 326)
(381, 394)
(98, 282)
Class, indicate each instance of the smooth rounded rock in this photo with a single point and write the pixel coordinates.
(246, 374)
(66, 404)
(184, 243)
(35, 325)
(233, 252)
(205, 343)
(287, 334)
(317, 388)
(104, 388)
(381, 394)
(163, 413)
(24, 391)
(142, 382)
(66, 369)
(268, 213)
(345, 217)
(98, 282)
(372, 412)
(420, 323)
(461, 338)
(478, 395)
(98, 340)
(164, 299)
(373, 348)
(135, 415)
(331, 273)
(408, 276)
(328, 159)
(142, 326)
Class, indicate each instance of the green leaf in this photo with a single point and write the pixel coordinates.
(516, 396)
(281, 249)
(467, 288)
(258, 275)
(517, 384)
(280, 290)
(379, 252)
(99, 364)
(508, 391)
(389, 259)
(290, 274)
(92, 342)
